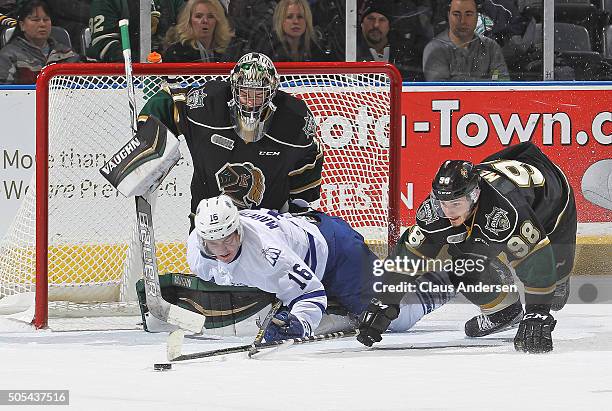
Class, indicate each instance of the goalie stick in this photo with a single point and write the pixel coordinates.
(158, 307)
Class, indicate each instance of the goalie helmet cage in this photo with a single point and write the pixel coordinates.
(82, 225)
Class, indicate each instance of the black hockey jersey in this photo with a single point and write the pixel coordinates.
(525, 201)
(285, 164)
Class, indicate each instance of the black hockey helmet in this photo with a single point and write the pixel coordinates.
(454, 179)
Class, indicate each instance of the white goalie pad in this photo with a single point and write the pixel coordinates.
(140, 166)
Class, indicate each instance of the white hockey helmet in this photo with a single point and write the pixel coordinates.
(217, 218)
(254, 82)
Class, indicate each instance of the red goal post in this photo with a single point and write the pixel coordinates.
(357, 107)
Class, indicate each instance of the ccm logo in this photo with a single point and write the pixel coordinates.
(269, 153)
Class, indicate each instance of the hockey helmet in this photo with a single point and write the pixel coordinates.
(254, 82)
(454, 180)
(216, 218)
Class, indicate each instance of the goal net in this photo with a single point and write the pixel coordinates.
(72, 241)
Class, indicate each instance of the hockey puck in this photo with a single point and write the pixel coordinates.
(163, 366)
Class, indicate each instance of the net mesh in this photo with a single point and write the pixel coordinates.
(91, 248)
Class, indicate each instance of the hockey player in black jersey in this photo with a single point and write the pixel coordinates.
(514, 211)
(247, 139)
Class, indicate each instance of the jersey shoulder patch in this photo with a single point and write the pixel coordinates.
(428, 219)
(207, 104)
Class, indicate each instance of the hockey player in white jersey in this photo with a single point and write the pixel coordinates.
(302, 259)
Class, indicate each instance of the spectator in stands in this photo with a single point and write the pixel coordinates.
(459, 54)
(31, 47)
(7, 6)
(251, 19)
(104, 24)
(328, 18)
(73, 15)
(202, 33)
(378, 42)
(292, 37)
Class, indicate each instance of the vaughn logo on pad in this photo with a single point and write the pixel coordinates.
(125, 151)
(141, 164)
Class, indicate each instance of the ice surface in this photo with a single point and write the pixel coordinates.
(113, 370)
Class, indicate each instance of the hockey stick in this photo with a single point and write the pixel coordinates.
(158, 307)
(174, 355)
(175, 339)
(262, 328)
(129, 78)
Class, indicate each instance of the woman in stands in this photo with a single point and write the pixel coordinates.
(31, 48)
(202, 33)
(292, 37)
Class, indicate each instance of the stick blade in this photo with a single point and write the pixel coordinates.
(175, 344)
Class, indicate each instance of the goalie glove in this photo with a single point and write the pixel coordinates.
(534, 332)
(140, 166)
(375, 320)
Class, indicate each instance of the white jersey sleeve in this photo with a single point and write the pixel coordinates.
(277, 257)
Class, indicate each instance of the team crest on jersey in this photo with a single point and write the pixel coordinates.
(271, 254)
(195, 98)
(497, 221)
(222, 141)
(243, 182)
(427, 212)
(310, 126)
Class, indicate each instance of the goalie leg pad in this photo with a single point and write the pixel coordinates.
(229, 310)
(140, 166)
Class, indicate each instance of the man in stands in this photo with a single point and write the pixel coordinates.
(104, 24)
(459, 54)
(379, 42)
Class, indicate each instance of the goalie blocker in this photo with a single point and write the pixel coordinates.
(143, 162)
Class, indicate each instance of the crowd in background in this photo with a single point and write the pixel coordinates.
(427, 40)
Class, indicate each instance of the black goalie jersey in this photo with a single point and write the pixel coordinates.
(285, 164)
(525, 215)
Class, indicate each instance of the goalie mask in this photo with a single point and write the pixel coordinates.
(254, 82)
(455, 190)
(218, 227)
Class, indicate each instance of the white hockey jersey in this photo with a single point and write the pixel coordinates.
(280, 254)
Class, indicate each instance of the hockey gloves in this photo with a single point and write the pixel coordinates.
(374, 321)
(534, 333)
(283, 326)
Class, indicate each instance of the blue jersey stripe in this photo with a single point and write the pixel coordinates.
(312, 294)
(311, 255)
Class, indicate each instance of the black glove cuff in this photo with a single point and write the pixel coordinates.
(537, 308)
